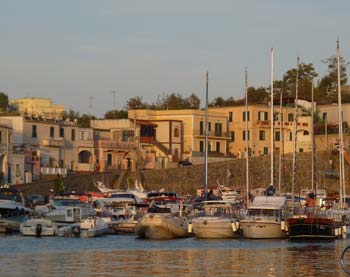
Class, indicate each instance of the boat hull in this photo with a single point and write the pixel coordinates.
(213, 228)
(262, 230)
(38, 228)
(311, 228)
(161, 226)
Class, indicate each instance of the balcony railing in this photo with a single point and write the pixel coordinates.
(147, 139)
(212, 133)
(53, 142)
(267, 124)
(115, 145)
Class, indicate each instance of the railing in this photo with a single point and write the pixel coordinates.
(212, 133)
(53, 142)
(53, 171)
(115, 145)
(267, 123)
(147, 139)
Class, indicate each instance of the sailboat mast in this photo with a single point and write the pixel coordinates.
(246, 136)
(206, 138)
(281, 143)
(341, 142)
(272, 121)
(295, 133)
(313, 181)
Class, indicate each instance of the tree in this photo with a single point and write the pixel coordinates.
(71, 115)
(258, 95)
(116, 114)
(192, 102)
(329, 82)
(4, 101)
(84, 120)
(136, 103)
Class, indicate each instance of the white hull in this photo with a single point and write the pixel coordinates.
(262, 230)
(161, 226)
(90, 227)
(38, 227)
(213, 228)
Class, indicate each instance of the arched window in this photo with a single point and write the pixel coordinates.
(84, 157)
(306, 133)
(176, 132)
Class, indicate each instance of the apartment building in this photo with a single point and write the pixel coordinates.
(52, 146)
(191, 124)
(37, 107)
(259, 129)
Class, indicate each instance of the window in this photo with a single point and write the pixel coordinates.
(230, 116)
(73, 135)
(232, 136)
(266, 151)
(218, 129)
(277, 136)
(266, 116)
(217, 147)
(306, 133)
(201, 128)
(176, 132)
(0, 137)
(128, 135)
(263, 116)
(34, 133)
(324, 116)
(248, 116)
(109, 159)
(261, 135)
(209, 146)
(18, 170)
(201, 146)
(301, 150)
(290, 136)
(52, 132)
(290, 117)
(61, 132)
(244, 135)
(209, 126)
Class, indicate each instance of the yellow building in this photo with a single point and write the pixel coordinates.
(259, 129)
(191, 123)
(34, 106)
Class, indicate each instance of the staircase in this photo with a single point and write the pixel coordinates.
(161, 147)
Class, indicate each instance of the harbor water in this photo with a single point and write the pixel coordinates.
(129, 256)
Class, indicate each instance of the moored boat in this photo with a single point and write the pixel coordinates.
(38, 227)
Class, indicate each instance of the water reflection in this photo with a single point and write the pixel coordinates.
(129, 257)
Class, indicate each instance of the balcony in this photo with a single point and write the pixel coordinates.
(114, 145)
(86, 143)
(149, 140)
(267, 124)
(53, 142)
(212, 134)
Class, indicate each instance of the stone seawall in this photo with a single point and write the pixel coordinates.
(187, 179)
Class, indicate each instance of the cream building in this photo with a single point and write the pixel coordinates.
(192, 126)
(39, 107)
(259, 130)
(331, 114)
(52, 146)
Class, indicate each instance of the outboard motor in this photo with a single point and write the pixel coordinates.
(38, 230)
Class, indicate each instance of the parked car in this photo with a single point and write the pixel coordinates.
(184, 163)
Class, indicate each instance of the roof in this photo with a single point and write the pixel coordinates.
(268, 202)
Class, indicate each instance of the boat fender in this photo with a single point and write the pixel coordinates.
(344, 232)
(189, 228)
(205, 222)
(336, 232)
(234, 227)
(76, 231)
(283, 225)
(38, 230)
(237, 225)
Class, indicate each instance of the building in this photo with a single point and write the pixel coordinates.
(37, 107)
(188, 127)
(124, 143)
(51, 146)
(331, 113)
(259, 130)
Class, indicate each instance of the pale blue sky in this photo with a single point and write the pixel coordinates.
(70, 50)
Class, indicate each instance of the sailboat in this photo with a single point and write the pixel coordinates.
(312, 222)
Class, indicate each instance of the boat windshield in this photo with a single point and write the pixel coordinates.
(74, 203)
(263, 212)
(8, 195)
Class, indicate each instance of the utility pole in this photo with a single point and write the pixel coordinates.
(114, 93)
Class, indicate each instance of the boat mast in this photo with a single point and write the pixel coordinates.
(206, 138)
(341, 142)
(272, 121)
(246, 135)
(295, 132)
(313, 175)
(281, 143)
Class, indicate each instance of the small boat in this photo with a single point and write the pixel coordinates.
(217, 220)
(163, 220)
(264, 219)
(38, 227)
(90, 227)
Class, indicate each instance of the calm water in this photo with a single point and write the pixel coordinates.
(128, 256)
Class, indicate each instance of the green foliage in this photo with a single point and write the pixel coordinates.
(116, 114)
(60, 186)
(4, 101)
(135, 103)
(84, 120)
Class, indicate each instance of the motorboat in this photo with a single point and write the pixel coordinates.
(163, 220)
(12, 209)
(89, 227)
(265, 218)
(216, 220)
(38, 227)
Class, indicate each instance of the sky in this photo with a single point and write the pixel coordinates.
(78, 51)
